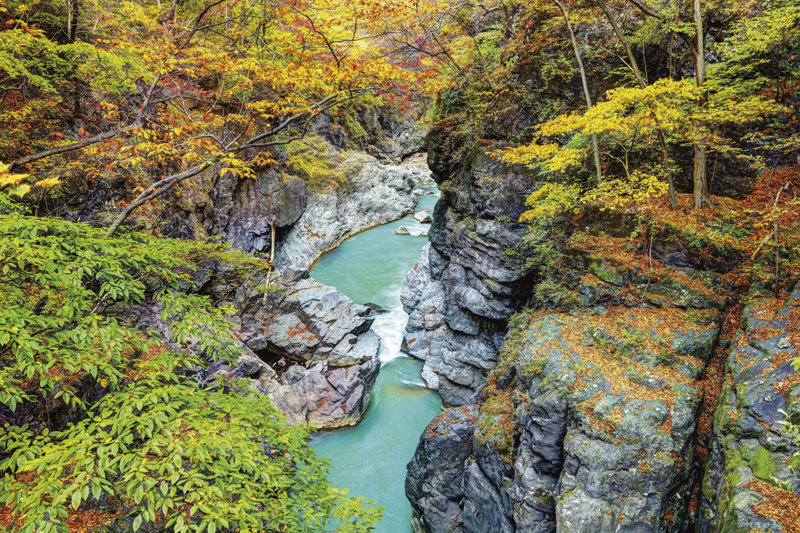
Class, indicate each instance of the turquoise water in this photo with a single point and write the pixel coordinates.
(370, 459)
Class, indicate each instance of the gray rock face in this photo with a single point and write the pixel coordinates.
(238, 209)
(374, 194)
(326, 336)
(752, 459)
(308, 221)
(391, 138)
(435, 481)
(589, 420)
(568, 439)
(306, 321)
(323, 396)
(306, 346)
(465, 285)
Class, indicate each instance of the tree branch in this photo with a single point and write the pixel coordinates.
(69, 147)
(156, 189)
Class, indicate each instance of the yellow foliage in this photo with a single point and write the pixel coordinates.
(236, 167)
(12, 183)
(634, 113)
(634, 190)
(7, 179)
(550, 200)
(48, 182)
(554, 199)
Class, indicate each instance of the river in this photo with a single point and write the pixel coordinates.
(370, 459)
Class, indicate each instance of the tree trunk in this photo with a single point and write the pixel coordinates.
(700, 182)
(700, 179)
(74, 7)
(634, 66)
(73, 14)
(586, 93)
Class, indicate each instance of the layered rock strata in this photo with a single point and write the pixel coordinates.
(598, 418)
(373, 195)
(466, 284)
(589, 421)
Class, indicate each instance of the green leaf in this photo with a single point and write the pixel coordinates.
(76, 499)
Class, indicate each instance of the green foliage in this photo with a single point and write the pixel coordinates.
(155, 449)
(544, 255)
(187, 459)
(59, 288)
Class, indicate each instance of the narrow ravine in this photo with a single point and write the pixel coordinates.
(370, 459)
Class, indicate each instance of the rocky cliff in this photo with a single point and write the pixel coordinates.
(308, 347)
(753, 452)
(599, 414)
(325, 196)
(466, 284)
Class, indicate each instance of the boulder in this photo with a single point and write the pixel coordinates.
(423, 217)
(305, 321)
(327, 336)
(322, 396)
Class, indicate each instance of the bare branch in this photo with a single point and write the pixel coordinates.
(69, 147)
(154, 190)
(195, 26)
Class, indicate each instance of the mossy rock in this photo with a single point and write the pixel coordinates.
(608, 270)
(763, 464)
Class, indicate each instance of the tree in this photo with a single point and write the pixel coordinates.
(700, 175)
(99, 415)
(564, 7)
(629, 122)
(696, 44)
(629, 119)
(633, 64)
(221, 85)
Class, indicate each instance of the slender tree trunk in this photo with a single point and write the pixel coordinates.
(700, 178)
(700, 173)
(634, 66)
(73, 16)
(74, 7)
(586, 93)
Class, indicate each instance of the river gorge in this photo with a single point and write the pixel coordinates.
(370, 459)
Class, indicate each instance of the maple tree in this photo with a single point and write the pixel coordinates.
(169, 91)
(632, 120)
